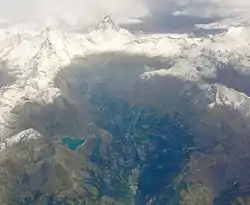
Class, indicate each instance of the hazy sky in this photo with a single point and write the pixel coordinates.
(89, 11)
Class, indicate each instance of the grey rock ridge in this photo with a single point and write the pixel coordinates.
(164, 117)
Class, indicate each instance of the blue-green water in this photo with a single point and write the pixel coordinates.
(72, 143)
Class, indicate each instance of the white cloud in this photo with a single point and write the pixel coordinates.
(202, 8)
(90, 11)
(81, 11)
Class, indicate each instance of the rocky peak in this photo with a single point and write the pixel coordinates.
(108, 24)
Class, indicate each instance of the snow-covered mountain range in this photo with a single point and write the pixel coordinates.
(32, 55)
(119, 92)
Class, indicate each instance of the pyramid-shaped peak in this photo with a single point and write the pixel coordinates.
(108, 19)
(47, 43)
(108, 24)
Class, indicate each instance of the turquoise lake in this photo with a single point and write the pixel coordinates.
(72, 143)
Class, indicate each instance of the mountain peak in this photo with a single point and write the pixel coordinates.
(108, 19)
(108, 24)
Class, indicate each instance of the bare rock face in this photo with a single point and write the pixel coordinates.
(108, 23)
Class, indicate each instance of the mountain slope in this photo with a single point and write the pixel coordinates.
(69, 84)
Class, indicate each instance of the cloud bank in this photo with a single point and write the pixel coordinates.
(73, 11)
(86, 12)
